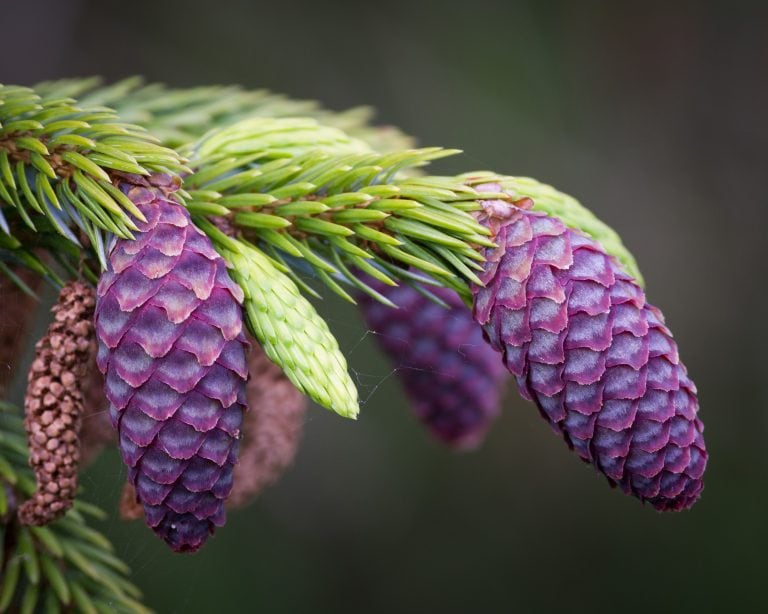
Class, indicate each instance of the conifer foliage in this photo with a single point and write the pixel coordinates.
(193, 215)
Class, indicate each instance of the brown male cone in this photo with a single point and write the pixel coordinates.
(53, 405)
(271, 430)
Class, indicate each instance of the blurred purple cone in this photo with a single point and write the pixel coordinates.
(173, 353)
(596, 359)
(452, 377)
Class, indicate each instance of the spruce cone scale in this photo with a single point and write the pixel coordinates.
(172, 350)
(597, 360)
(452, 377)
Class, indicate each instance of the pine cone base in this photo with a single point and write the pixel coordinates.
(453, 379)
(596, 359)
(173, 354)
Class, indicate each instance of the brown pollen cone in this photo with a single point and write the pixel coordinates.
(53, 405)
(130, 508)
(272, 428)
(17, 310)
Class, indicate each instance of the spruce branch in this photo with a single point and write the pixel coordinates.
(20, 252)
(303, 195)
(301, 190)
(66, 565)
(281, 188)
(179, 116)
(207, 124)
(262, 139)
(56, 160)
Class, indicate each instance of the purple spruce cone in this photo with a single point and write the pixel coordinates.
(596, 359)
(450, 374)
(173, 353)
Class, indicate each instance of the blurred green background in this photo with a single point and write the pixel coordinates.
(654, 115)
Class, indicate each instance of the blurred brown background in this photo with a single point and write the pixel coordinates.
(654, 115)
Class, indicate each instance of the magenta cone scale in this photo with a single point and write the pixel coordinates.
(452, 377)
(173, 353)
(596, 359)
